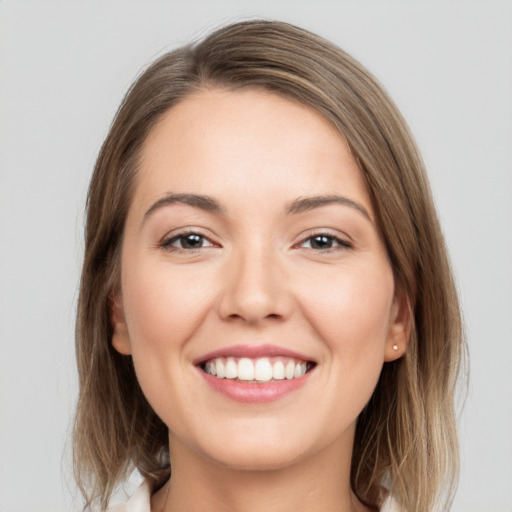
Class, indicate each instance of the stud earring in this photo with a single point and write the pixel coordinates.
(395, 347)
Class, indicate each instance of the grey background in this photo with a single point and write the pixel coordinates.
(64, 67)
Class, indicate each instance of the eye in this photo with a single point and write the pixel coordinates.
(324, 242)
(186, 241)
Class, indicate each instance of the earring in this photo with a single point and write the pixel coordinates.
(395, 347)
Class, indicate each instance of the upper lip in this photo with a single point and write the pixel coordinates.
(252, 352)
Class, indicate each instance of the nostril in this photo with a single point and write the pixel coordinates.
(254, 318)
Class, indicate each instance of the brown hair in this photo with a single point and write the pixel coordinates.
(405, 437)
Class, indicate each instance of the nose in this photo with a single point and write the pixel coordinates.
(255, 287)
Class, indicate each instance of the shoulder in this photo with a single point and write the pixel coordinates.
(140, 501)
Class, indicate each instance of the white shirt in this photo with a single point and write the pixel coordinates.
(140, 502)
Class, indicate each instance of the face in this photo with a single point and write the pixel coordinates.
(256, 297)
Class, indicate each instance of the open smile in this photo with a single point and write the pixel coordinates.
(263, 369)
(255, 374)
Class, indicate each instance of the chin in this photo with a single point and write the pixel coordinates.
(260, 445)
(257, 458)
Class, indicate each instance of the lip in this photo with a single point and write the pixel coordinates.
(251, 392)
(254, 393)
(253, 352)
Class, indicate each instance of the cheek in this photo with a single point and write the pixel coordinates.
(352, 313)
(163, 310)
(162, 307)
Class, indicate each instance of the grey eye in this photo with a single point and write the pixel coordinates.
(324, 242)
(321, 242)
(188, 241)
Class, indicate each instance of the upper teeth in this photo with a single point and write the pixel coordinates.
(261, 369)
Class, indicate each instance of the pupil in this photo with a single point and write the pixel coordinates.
(191, 241)
(321, 242)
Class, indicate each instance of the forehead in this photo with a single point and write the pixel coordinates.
(243, 143)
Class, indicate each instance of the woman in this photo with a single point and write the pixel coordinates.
(266, 304)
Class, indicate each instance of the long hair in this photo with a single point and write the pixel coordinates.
(405, 437)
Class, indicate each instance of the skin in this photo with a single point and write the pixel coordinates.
(255, 278)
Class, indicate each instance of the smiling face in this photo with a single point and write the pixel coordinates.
(251, 250)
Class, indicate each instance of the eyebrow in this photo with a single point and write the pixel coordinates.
(299, 205)
(205, 203)
(303, 204)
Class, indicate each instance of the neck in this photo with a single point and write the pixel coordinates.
(318, 483)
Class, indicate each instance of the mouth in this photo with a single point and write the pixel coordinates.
(257, 370)
(255, 374)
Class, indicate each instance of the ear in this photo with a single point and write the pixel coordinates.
(120, 338)
(399, 328)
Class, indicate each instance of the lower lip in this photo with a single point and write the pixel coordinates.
(252, 392)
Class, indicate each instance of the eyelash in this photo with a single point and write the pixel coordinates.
(341, 244)
(328, 238)
(167, 244)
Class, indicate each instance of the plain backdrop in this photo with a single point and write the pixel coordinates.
(64, 67)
